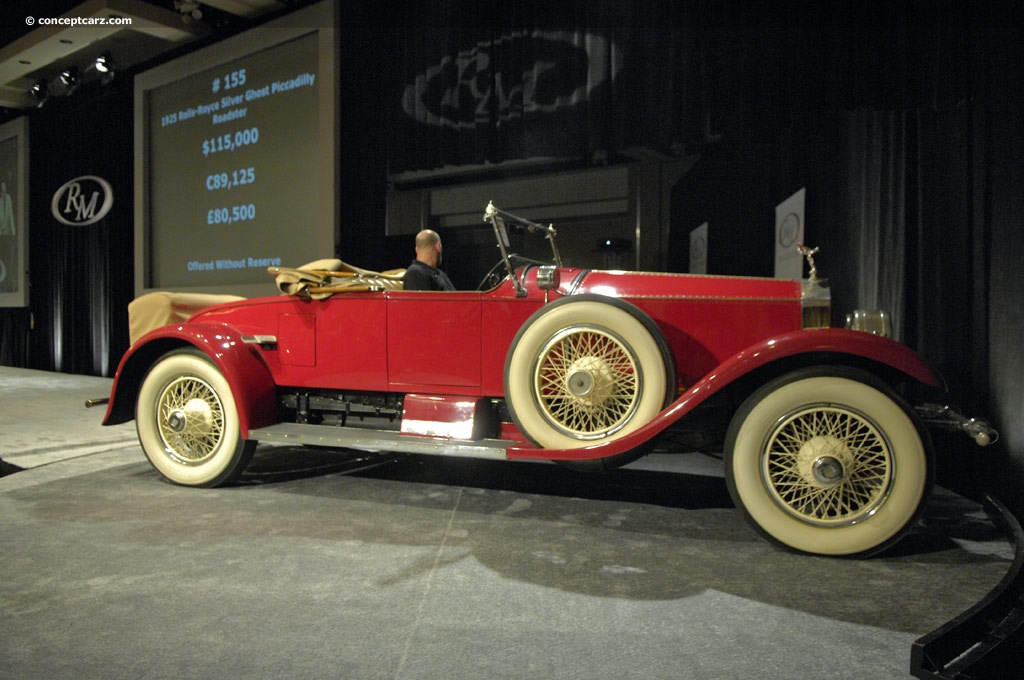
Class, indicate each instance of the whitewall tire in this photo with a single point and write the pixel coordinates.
(828, 461)
(188, 423)
(586, 369)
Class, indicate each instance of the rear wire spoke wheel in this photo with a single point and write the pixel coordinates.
(586, 369)
(829, 461)
(587, 382)
(188, 423)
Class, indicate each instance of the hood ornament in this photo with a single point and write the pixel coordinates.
(808, 253)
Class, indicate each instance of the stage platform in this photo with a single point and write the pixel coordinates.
(334, 564)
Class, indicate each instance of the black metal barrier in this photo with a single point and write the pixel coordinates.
(986, 642)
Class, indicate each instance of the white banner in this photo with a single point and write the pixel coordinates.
(699, 250)
(789, 232)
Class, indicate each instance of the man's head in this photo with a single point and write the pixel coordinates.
(428, 247)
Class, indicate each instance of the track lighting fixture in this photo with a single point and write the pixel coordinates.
(104, 64)
(69, 80)
(189, 8)
(40, 91)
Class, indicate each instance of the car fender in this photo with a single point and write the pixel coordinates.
(240, 362)
(826, 345)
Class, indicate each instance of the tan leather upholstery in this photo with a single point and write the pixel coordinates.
(322, 278)
(153, 310)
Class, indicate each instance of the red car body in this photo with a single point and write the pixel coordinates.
(434, 372)
(453, 346)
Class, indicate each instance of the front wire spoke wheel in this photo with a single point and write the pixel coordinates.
(191, 419)
(188, 422)
(828, 465)
(829, 461)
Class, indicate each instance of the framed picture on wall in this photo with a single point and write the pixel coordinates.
(14, 213)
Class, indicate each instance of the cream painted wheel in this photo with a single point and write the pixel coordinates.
(585, 369)
(188, 424)
(828, 461)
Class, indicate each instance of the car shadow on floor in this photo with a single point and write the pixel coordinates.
(672, 488)
(674, 481)
(631, 534)
(666, 531)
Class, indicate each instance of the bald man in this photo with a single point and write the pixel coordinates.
(423, 273)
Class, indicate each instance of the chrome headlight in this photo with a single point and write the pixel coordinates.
(547, 277)
(874, 321)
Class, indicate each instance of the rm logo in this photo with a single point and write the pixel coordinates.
(82, 201)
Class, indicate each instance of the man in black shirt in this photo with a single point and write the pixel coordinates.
(423, 273)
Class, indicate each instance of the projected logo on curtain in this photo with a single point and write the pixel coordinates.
(499, 81)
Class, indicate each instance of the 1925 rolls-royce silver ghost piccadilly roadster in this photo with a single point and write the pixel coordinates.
(825, 444)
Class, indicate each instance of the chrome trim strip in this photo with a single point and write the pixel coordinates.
(577, 282)
(259, 339)
(706, 298)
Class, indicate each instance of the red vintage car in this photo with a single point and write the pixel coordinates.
(825, 443)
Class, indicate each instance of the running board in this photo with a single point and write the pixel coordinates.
(381, 440)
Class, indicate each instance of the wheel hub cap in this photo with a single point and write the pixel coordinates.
(177, 421)
(195, 417)
(580, 383)
(828, 470)
(590, 380)
(823, 461)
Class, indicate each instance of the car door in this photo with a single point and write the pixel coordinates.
(434, 342)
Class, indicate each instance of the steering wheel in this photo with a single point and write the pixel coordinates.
(499, 273)
(494, 276)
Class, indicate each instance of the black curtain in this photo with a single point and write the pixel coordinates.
(490, 82)
(934, 217)
(81, 277)
(901, 119)
(996, 213)
(912, 160)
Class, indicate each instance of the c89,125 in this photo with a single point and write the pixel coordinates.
(229, 180)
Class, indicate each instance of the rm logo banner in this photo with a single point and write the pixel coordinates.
(82, 201)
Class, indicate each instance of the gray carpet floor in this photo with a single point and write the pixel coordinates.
(333, 564)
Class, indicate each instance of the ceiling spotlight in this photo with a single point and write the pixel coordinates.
(40, 91)
(104, 64)
(191, 8)
(69, 80)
